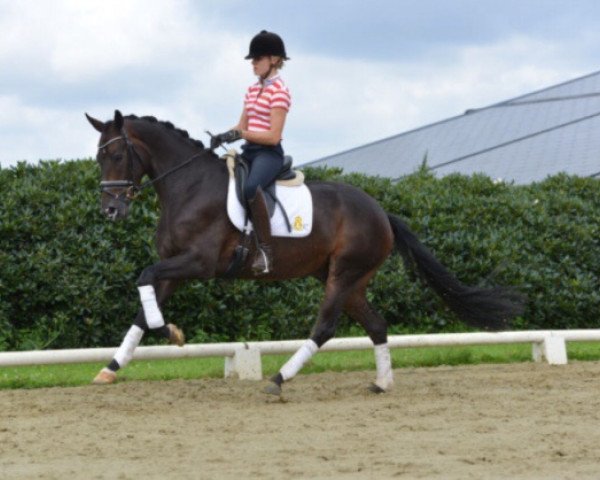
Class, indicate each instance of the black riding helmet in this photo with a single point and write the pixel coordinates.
(266, 43)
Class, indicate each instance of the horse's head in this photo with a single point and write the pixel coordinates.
(119, 166)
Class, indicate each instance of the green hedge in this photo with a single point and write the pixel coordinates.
(67, 275)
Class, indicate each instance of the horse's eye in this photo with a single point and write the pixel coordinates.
(117, 157)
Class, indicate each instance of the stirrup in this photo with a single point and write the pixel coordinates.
(262, 262)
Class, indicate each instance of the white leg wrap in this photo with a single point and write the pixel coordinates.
(154, 317)
(294, 364)
(132, 339)
(385, 377)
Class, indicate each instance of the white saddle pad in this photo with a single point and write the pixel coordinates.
(298, 205)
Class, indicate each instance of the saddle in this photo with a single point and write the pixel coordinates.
(297, 200)
(239, 170)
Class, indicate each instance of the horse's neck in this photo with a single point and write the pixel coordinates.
(181, 171)
(183, 176)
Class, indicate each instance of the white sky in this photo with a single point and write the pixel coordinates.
(360, 71)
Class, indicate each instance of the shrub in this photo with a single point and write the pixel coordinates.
(67, 275)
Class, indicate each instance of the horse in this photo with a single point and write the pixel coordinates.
(351, 237)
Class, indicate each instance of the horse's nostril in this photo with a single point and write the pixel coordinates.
(111, 212)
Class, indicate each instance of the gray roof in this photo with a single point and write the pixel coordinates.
(524, 139)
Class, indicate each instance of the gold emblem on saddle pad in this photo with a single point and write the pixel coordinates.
(298, 225)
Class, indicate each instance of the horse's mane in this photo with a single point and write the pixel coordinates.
(169, 126)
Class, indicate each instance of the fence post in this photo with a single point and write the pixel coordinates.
(245, 364)
(553, 349)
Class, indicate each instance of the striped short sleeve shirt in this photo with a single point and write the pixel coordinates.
(259, 101)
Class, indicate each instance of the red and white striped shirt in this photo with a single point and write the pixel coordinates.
(260, 99)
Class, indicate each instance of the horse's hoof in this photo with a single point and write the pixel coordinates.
(273, 389)
(176, 336)
(105, 377)
(375, 389)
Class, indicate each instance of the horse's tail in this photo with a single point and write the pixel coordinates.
(487, 308)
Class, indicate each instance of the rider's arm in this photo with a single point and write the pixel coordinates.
(243, 123)
(271, 137)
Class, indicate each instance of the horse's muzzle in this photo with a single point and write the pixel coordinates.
(115, 209)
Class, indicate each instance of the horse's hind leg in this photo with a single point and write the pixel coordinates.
(375, 325)
(336, 293)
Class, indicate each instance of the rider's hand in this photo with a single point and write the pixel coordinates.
(226, 137)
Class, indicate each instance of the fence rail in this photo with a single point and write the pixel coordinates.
(243, 358)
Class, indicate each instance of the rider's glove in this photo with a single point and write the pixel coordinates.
(227, 137)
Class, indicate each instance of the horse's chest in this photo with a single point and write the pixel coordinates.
(173, 238)
(165, 245)
(168, 241)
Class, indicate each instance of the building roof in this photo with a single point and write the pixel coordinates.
(525, 139)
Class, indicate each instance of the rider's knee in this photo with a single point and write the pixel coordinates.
(250, 191)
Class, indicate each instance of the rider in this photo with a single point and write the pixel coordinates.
(266, 104)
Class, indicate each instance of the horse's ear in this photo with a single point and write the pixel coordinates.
(97, 124)
(118, 121)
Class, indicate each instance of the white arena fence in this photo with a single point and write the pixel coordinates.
(243, 359)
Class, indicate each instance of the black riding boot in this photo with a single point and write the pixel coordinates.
(263, 262)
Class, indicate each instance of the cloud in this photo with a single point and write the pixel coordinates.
(61, 59)
(359, 101)
(36, 133)
(78, 40)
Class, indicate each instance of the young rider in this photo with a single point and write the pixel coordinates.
(266, 104)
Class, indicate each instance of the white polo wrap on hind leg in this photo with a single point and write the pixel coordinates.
(132, 339)
(154, 318)
(303, 355)
(383, 361)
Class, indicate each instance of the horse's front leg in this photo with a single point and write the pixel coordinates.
(134, 336)
(166, 275)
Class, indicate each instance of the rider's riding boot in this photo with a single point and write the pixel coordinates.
(263, 262)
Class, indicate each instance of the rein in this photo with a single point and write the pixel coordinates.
(130, 189)
(148, 183)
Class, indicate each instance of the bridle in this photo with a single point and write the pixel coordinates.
(128, 189)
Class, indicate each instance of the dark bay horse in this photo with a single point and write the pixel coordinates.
(351, 237)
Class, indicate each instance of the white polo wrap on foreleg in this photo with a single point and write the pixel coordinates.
(154, 317)
(303, 355)
(383, 361)
(132, 339)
